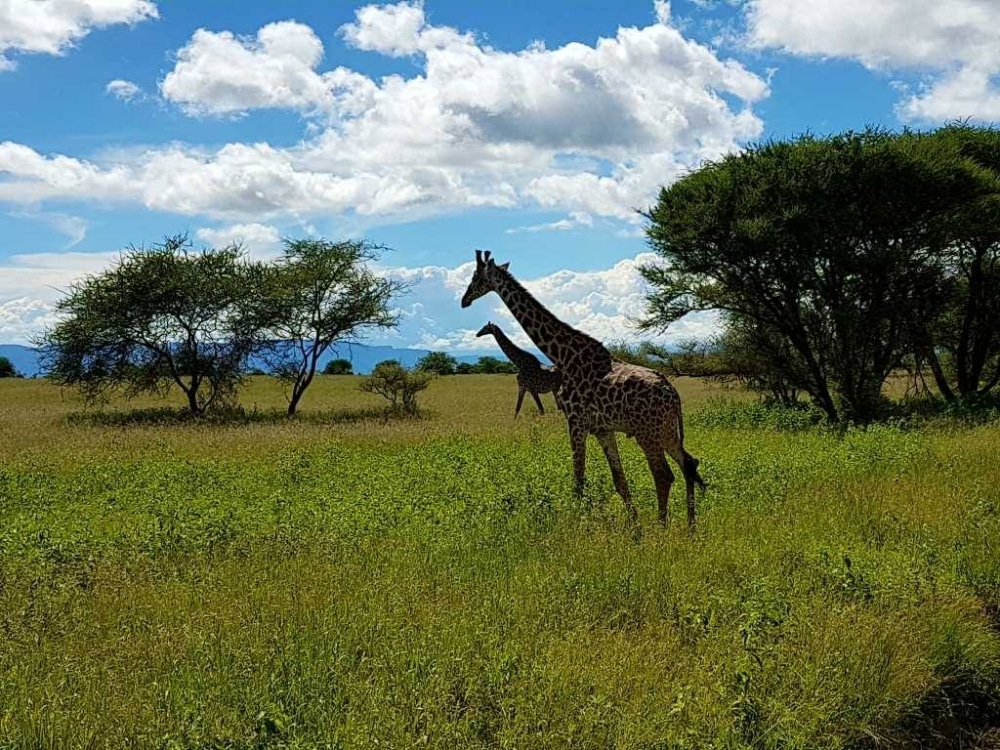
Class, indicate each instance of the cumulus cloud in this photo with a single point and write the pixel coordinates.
(218, 73)
(399, 30)
(954, 44)
(603, 303)
(123, 90)
(583, 128)
(22, 318)
(31, 284)
(53, 26)
(259, 240)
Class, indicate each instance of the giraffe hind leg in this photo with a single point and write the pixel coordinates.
(578, 442)
(689, 467)
(663, 478)
(538, 401)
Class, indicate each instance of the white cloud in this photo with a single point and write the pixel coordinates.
(592, 129)
(220, 73)
(967, 92)
(53, 26)
(22, 318)
(126, 91)
(575, 220)
(955, 43)
(400, 29)
(31, 284)
(603, 303)
(259, 240)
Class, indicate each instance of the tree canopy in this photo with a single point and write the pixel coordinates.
(826, 253)
(7, 369)
(339, 367)
(439, 363)
(961, 347)
(317, 294)
(158, 318)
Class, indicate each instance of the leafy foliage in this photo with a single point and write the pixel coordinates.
(961, 347)
(7, 369)
(399, 385)
(825, 249)
(159, 318)
(486, 366)
(438, 363)
(495, 366)
(742, 355)
(320, 293)
(338, 367)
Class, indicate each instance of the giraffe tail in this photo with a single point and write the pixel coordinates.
(691, 470)
(690, 465)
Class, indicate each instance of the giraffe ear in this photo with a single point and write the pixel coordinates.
(504, 266)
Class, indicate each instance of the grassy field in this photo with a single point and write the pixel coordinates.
(344, 581)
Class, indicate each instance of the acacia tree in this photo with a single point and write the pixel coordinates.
(317, 294)
(439, 363)
(159, 318)
(962, 346)
(7, 369)
(339, 367)
(828, 247)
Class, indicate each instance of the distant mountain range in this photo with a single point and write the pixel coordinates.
(364, 358)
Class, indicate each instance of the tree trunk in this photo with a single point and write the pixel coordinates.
(192, 396)
(293, 402)
(299, 388)
(939, 379)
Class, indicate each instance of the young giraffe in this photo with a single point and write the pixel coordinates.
(600, 395)
(531, 376)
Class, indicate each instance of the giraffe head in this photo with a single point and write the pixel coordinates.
(487, 330)
(484, 280)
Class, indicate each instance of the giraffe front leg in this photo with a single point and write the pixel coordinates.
(578, 441)
(520, 400)
(610, 445)
(538, 401)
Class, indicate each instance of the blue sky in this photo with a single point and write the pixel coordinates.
(531, 129)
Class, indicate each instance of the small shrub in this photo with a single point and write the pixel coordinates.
(400, 386)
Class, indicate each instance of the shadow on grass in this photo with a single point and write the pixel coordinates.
(961, 714)
(168, 416)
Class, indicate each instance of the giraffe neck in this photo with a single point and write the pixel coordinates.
(559, 341)
(516, 355)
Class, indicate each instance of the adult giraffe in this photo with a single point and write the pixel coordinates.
(600, 395)
(531, 376)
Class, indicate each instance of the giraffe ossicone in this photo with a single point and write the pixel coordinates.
(599, 394)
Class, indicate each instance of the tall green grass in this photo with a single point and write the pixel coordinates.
(436, 585)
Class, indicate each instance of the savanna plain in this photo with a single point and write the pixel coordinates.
(344, 580)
